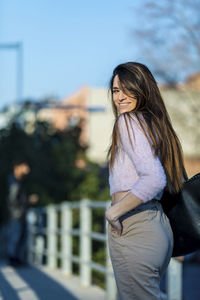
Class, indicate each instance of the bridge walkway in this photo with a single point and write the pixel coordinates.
(42, 283)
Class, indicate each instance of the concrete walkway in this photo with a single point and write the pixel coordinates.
(35, 283)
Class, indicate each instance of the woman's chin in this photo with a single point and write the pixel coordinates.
(124, 110)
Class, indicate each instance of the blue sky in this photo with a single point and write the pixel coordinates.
(67, 44)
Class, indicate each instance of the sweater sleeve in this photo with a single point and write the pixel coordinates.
(151, 176)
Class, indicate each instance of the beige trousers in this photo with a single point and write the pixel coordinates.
(142, 253)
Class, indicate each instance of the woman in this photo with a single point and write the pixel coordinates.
(145, 157)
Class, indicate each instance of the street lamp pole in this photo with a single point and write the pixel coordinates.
(18, 47)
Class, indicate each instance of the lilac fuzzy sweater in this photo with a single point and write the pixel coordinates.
(135, 167)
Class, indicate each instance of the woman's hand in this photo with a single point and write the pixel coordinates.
(116, 226)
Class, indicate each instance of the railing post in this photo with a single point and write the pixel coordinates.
(31, 220)
(39, 249)
(51, 236)
(85, 242)
(111, 289)
(66, 238)
(174, 280)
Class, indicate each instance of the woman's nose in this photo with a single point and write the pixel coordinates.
(122, 96)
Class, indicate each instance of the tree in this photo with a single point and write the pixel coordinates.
(168, 35)
(52, 156)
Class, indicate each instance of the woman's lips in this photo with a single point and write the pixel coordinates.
(123, 104)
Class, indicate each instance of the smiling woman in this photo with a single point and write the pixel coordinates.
(145, 157)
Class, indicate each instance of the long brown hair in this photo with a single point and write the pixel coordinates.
(137, 80)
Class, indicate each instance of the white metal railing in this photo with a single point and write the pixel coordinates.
(42, 242)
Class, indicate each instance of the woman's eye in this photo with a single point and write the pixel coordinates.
(115, 91)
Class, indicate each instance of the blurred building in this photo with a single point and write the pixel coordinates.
(193, 81)
(183, 106)
(90, 109)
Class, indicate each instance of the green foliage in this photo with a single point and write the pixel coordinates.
(52, 157)
(93, 183)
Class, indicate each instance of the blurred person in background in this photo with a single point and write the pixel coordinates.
(145, 157)
(18, 203)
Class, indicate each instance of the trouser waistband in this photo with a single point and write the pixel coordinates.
(144, 206)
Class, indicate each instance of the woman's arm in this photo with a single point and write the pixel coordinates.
(151, 174)
(128, 202)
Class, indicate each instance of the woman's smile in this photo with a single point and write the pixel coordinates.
(124, 104)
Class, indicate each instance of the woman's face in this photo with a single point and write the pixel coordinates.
(123, 102)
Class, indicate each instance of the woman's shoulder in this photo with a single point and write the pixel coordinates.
(130, 121)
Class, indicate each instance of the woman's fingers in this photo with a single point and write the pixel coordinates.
(115, 232)
(116, 227)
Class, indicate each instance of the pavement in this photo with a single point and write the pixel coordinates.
(42, 283)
